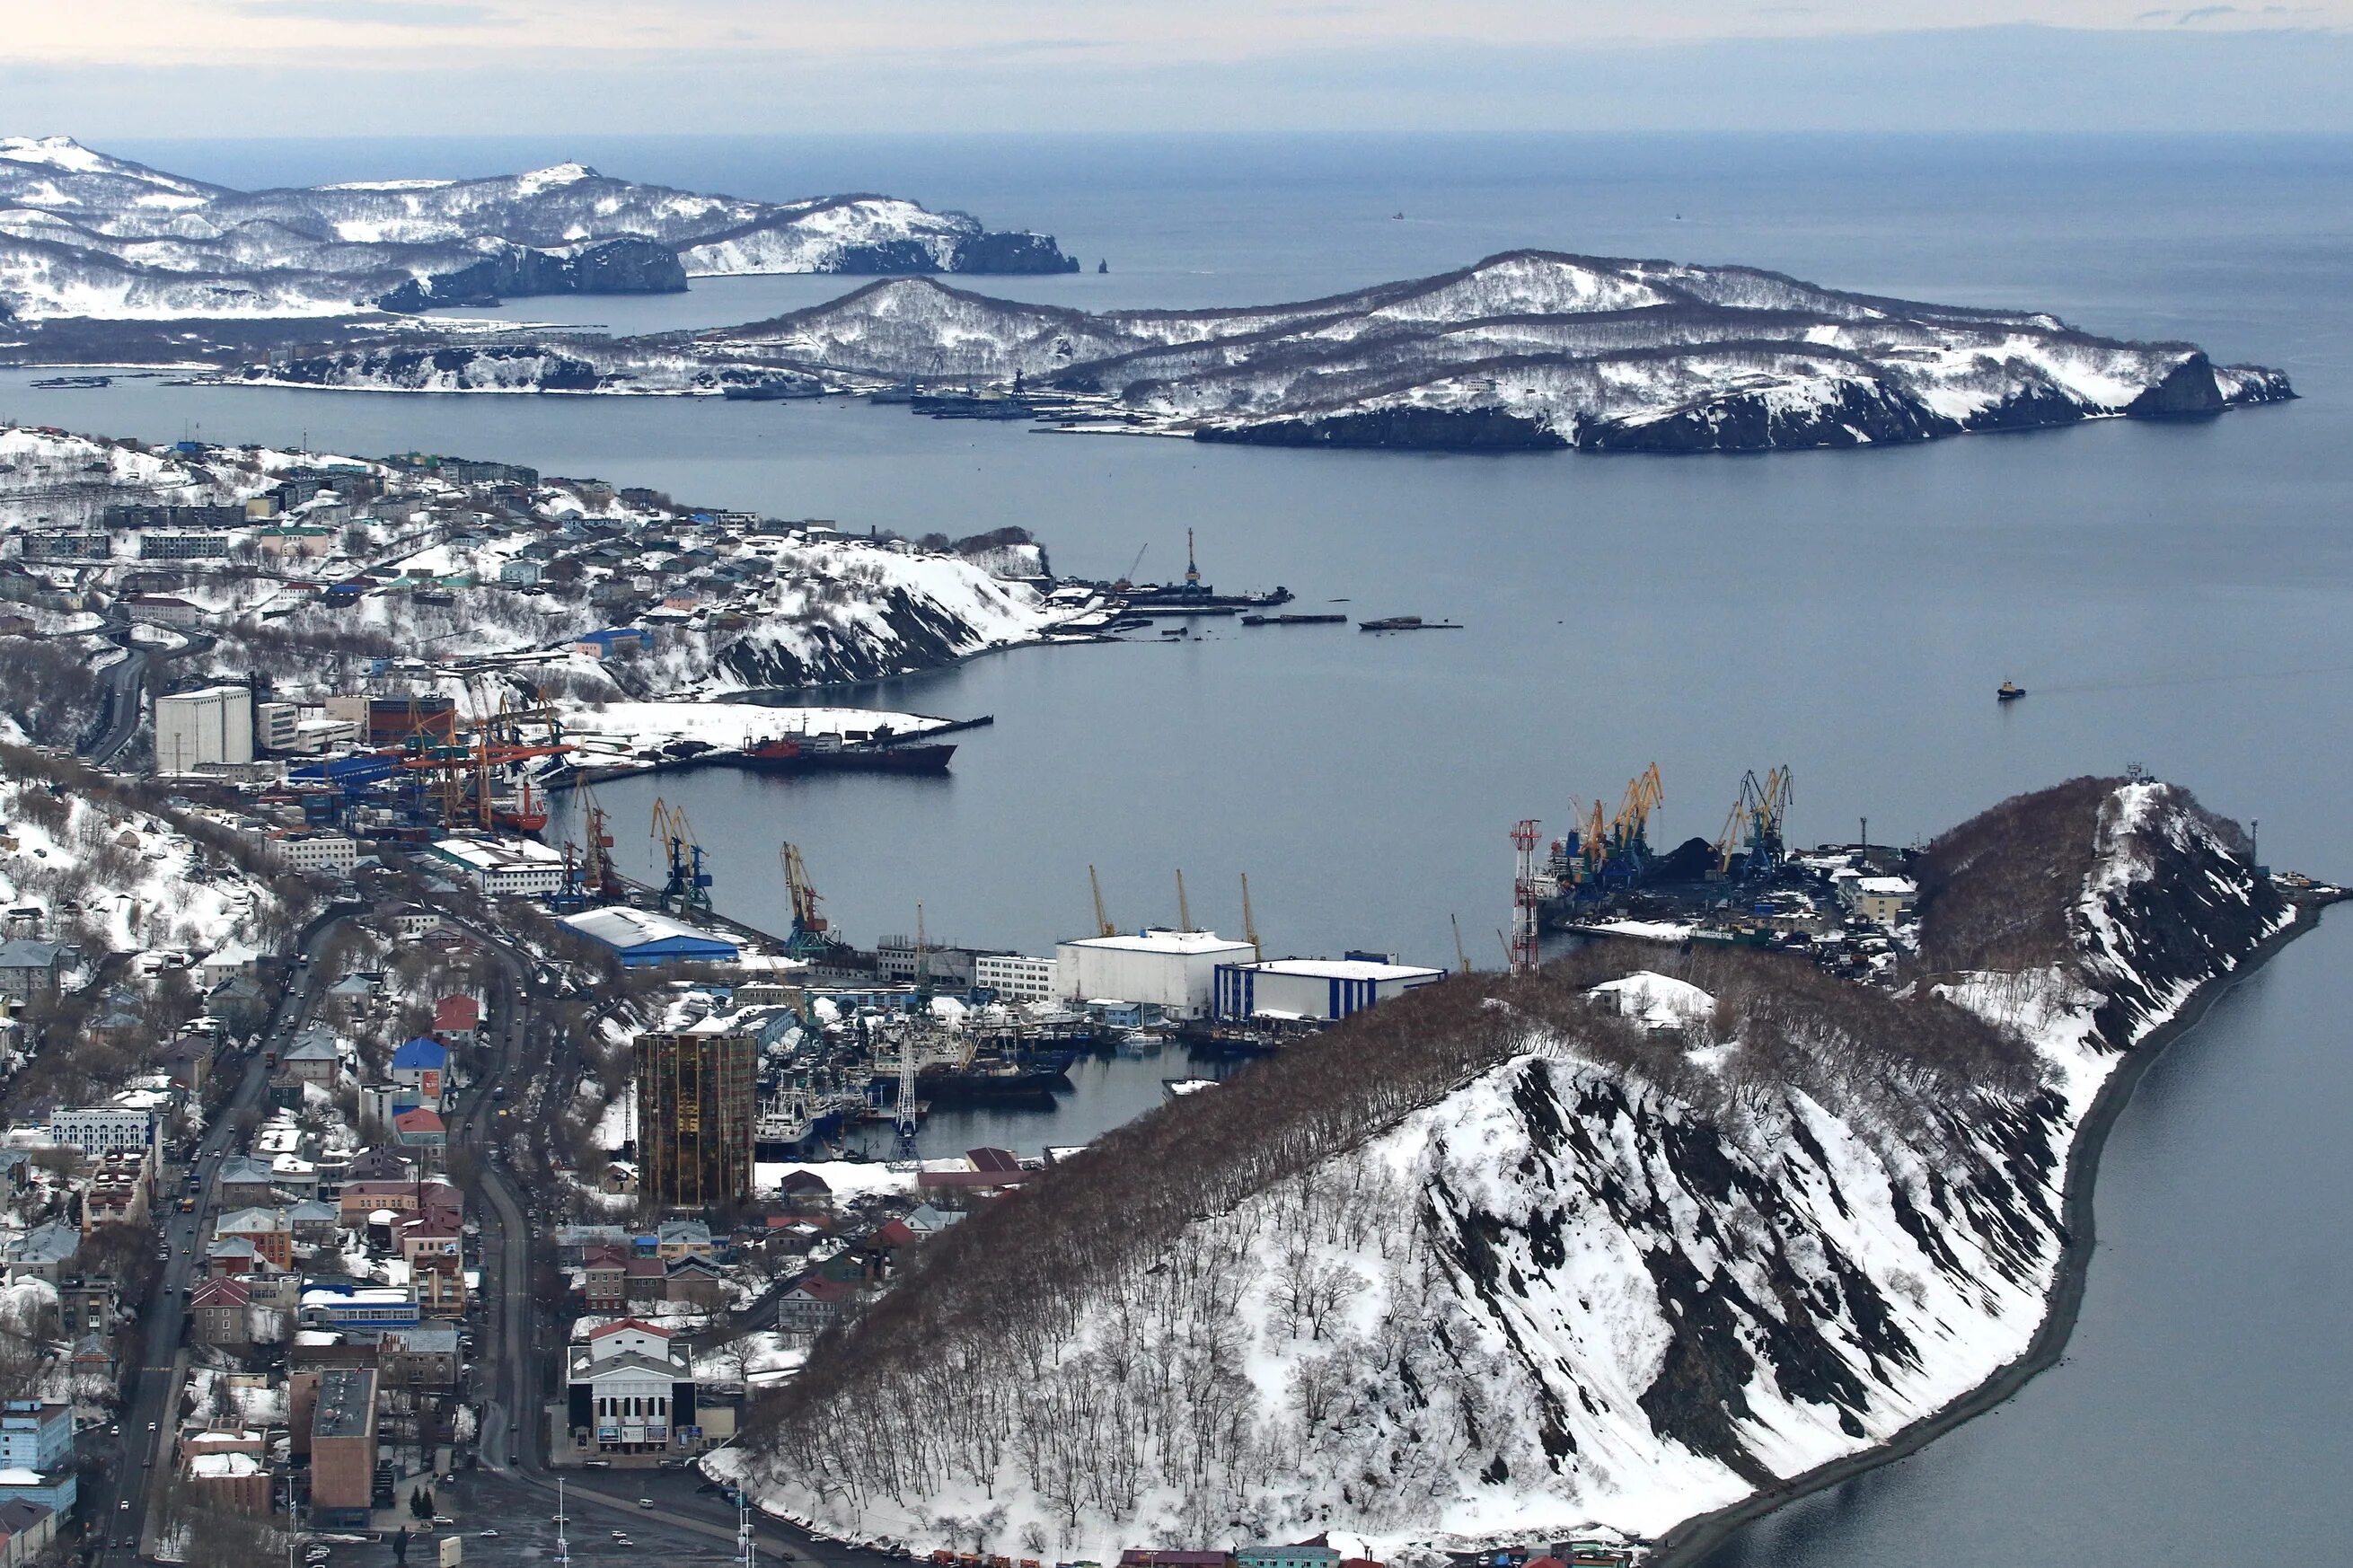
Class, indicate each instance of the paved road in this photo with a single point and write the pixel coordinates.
(127, 681)
(146, 1422)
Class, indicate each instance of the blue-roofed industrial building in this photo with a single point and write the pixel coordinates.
(646, 939)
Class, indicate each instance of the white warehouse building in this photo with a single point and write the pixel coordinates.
(1174, 971)
(194, 729)
(1322, 989)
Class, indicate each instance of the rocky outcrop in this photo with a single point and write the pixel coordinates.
(499, 368)
(1011, 254)
(616, 266)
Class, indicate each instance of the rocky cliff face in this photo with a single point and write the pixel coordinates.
(628, 265)
(1591, 1276)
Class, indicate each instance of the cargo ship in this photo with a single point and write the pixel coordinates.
(1407, 623)
(771, 391)
(836, 753)
(1293, 620)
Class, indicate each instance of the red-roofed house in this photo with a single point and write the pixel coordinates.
(455, 1019)
(420, 1129)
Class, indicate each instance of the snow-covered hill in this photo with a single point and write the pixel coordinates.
(1497, 1262)
(1526, 348)
(82, 234)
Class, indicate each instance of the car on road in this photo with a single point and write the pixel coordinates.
(443, 1518)
(151, 1425)
(645, 1502)
(125, 1503)
(489, 1534)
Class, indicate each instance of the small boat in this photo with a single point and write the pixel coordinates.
(2008, 691)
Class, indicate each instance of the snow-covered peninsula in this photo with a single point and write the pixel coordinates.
(86, 234)
(1499, 1262)
(1528, 349)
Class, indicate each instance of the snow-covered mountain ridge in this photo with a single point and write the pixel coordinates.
(1493, 1262)
(1526, 348)
(83, 234)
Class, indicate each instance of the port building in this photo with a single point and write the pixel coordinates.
(1175, 971)
(504, 867)
(648, 938)
(1324, 990)
(203, 728)
(695, 1104)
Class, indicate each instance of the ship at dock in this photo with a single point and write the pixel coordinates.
(878, 752)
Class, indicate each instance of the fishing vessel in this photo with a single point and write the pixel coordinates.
(2008, 691)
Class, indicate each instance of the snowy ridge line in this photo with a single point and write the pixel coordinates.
(1651, 1274)
(1523, 350)
(84, 233)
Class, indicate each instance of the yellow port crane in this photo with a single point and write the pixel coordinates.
(688, 884)
(1102, 921)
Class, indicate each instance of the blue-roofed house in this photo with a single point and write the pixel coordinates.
(422, 1064)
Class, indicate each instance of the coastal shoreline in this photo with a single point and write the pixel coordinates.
(1688, 1542)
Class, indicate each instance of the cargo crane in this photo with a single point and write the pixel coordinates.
(1753, 827)
(1522, 949)
(687, 887)
(589, 876)
(812, 937)
(1250, 924)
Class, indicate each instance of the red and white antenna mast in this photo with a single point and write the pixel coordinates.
(1524, 893)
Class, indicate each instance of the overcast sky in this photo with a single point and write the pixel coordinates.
(225, 67)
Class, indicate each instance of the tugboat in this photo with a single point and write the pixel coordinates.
(2008, 691)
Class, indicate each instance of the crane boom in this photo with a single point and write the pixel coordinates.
(1102, 921)
(1184, 910)
(1249, 923)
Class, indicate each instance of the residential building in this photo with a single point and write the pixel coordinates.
(183, 546)
(162, 610)
(695, 1094)
(420, 1066)
(266, 1228)
(201, 729)
(504, 867)
(246, 1181)
(425, 1356)
(117, 1190)
(35, 1434)
(29, 968)
(605, 1278)
(315, 1056)
(43, 1252)
(327, 853)
(314, 1223)
(1015, 978)
(457, 1018)
(344, 1448)
(221, 1310)
(420, 1128)
(28, 1530)
(98, 1130)
(817, 1302)
(86, 1303)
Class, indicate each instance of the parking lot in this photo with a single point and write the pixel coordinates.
(524, 1519)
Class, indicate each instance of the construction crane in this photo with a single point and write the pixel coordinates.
(1461, 956)
(1102, 921)
(1249, 923)
(687, 887)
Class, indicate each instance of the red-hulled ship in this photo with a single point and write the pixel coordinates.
(874, 753)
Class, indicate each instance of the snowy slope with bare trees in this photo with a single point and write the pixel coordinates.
(1494, 1260)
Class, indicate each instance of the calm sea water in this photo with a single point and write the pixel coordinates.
(2172, 596)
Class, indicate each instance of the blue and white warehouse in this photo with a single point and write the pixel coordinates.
(1324, 989)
